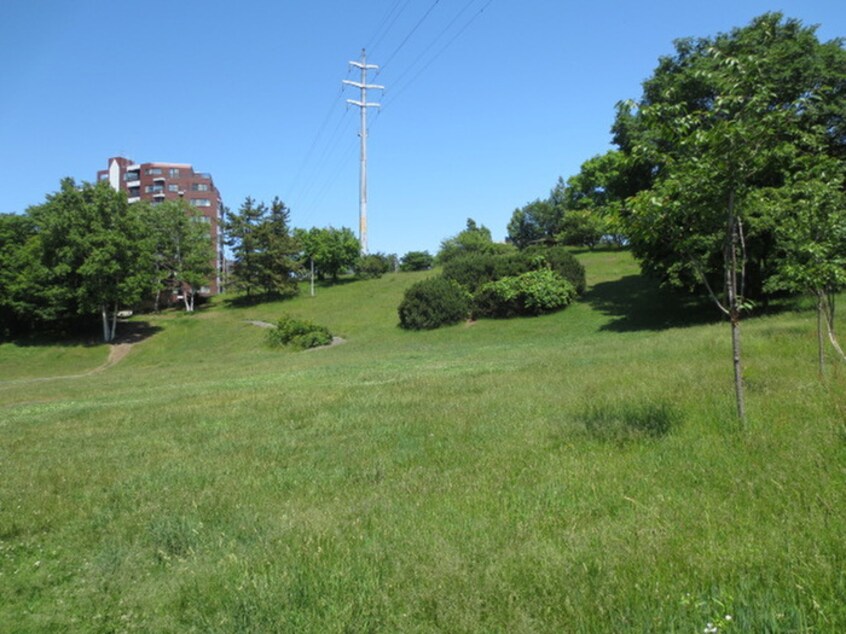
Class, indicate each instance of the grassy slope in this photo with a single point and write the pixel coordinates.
(473, 478)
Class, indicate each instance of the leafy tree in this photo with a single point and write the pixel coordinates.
(332, 250)
(277, 251)
(417, 261)
(16, 310)
(719, 120)
(581, 228)
(180, 240)
(88, 255)
(811, 238)
(536, 222)
(264, 250)
(474, 239)
(372, 265)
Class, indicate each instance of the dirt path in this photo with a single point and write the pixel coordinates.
(117, 351)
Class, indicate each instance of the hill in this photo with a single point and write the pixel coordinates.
(576, 472)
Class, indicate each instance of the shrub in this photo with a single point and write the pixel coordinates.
(298, 333)
(433, 303)
(471, 270)
(532, 293)
(417, 261)
(372, 266)
(560, 260)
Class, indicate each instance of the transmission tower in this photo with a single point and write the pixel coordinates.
(363, 106)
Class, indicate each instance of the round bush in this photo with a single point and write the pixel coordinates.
(560, 260)
(298, 333)
(532, 293)
(432, 303)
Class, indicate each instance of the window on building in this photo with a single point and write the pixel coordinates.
(173, 172)
(173, 187)
(131, 176)
(154, 188)
(200, 187)
(134, 191)
(201, 202)
(104, 177)
(154, 171)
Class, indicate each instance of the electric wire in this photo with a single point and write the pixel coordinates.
(410, 33)
(396, 83)
(370, 43)
(394, 95)
(298, 174)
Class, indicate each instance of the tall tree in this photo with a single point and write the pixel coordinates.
(276, 264)
(242, 228)
(331, 250)
(718, 121)
(89, 254)
(180, 240)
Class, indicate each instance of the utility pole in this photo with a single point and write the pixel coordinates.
(363, 106)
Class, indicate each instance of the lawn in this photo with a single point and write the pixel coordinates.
(577, 472)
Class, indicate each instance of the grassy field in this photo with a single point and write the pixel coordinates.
(577, 472)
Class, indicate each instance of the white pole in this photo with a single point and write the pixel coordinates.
(363, 105)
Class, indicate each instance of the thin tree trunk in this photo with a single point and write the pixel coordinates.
(105, 314)
(114, 323)
(820, 339)
(828, 308)
(730, 257)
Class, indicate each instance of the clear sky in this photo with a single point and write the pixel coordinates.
(487, 102)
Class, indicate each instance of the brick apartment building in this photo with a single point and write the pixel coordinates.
(156, 182)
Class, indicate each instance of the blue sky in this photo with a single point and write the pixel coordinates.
(488, 102)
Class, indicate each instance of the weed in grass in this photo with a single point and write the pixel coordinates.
(625, 422)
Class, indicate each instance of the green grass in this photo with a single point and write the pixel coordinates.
(577, 472)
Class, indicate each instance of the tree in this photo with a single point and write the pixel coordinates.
(180, 241)
(811, 237)
(88, 255)
(536, 222)
(264, 251)
(332, 250)
(241, 237)
(16, 309)
(276, 263)
(474, 239)
(417, 261)
(718, 121)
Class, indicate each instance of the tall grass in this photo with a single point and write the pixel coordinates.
(577, 472)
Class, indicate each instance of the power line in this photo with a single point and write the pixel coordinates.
(407, 37)
(390, 26)
(394, 95)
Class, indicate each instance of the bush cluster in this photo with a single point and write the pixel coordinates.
(532, 293)
(432, 303)
(506, 283)
(298, 333)
(372, 266)
(474, 270)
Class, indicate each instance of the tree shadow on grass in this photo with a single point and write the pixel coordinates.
(127, 332)
(636, 303)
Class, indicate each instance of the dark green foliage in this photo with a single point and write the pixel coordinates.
(532, 293)
(333, 251)
(264, 250)
(560, 260)
(372, 266)
(433, 303)
(722, 118)
(581, 228)
(473, 270)
(298, 333)
(85, 254)
(474, 239)
(624, 422)
(417, 261)
(535, 223)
